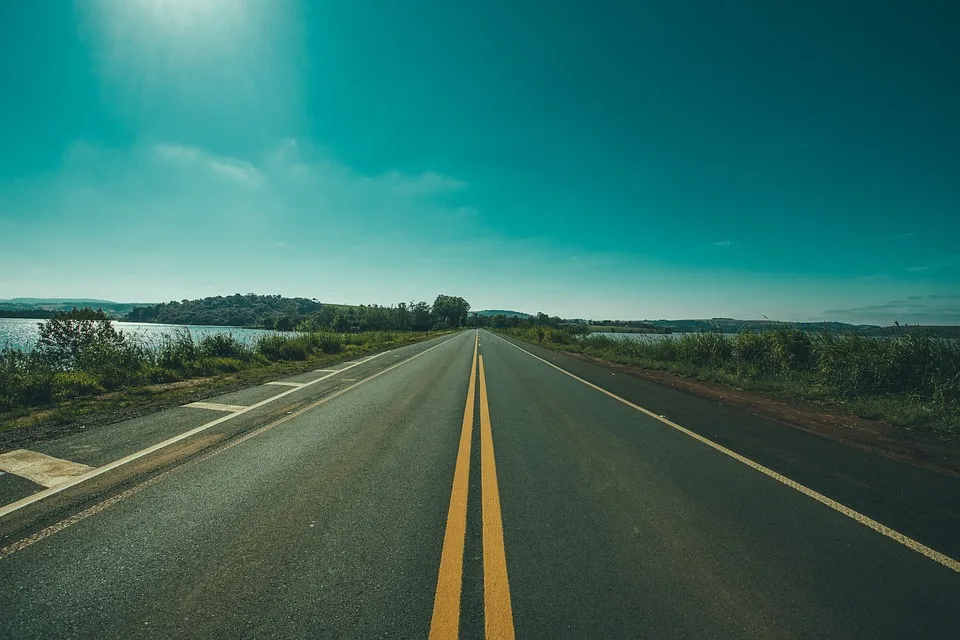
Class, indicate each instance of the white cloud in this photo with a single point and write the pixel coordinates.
(223, 166)
(238, 171)
(723, 243)
(177, 152)
(420, 184)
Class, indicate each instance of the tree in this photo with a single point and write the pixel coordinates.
(67, 337)
(341, 322)
(419, 316)
(450, 311)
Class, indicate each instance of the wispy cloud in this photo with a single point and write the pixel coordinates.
(925, 267)
(191, 157)
(723, 243)
(420, 184)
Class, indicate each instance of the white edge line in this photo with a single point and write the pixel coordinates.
(866, 521)
(46, 493)
(229, 444)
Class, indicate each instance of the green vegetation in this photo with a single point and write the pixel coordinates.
(303, 314)
(80, 354)
(911, 380)
(48, 307)
(501, 312)
(250, 310)
(636, 328)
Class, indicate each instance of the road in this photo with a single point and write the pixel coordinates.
(471, 486)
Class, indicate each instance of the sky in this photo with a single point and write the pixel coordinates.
(793, 160)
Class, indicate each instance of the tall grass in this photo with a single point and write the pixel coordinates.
(912, 380)
(106, 360)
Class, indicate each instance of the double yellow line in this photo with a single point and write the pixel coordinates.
(497, 612)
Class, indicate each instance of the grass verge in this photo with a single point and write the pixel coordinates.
(43, 400)
(911, 382)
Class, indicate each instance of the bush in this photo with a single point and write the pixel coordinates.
(220, 345)
(303, 346)
(213, 366)
(176, 353)
(157, 375)
(75, 384)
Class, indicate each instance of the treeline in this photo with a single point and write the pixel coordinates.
(304, 314)
(447, 312)
(238, 310)
(501, 321)
(27, 313)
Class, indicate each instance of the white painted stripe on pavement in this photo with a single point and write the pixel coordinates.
(41, 468)
(229, 444)
(282, 383)
(325, 370)
(866, 521)
(40, 495)
(216, 406)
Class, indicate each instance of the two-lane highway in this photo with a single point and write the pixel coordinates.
(473, 490)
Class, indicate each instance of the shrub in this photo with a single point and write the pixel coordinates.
(177, 352)
(74, 384)
(65, 337)
(155, 374)
(213, 366)
(221, 345)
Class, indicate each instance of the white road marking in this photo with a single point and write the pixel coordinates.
(325, 370)
(216, 406)
(93, 473)
(41, 468)
(229, 444)
(282, 383)
(866, 521)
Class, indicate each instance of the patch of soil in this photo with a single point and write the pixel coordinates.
(826, 421)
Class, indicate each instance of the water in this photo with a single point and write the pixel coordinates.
(646, 337)
(22, 333)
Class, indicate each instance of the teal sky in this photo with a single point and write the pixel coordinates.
(799, 160)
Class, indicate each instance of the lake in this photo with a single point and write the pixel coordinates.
(22, 333)
(647, 337)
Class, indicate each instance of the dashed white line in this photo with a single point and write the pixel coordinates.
(216, 406)
(284, 383)
(40, 468)
(93, 473)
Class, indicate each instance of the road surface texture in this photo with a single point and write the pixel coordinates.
(471, 486)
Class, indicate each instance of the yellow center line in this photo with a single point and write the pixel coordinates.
(497, 612)
(446, 604)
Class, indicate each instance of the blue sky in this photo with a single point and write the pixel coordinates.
(797, 160)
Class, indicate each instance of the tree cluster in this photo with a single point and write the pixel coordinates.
(250, 310)
(288, 314)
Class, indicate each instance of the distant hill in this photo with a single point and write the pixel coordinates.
(58, 301)
(238, 310)
(45, 307)
(732, 325)
(942, 331)
(501, 312)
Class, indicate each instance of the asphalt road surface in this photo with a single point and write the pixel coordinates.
(468, 487)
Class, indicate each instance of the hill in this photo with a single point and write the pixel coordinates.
(732, 325)
(238, 310)
(46, 307)
(500, 312)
